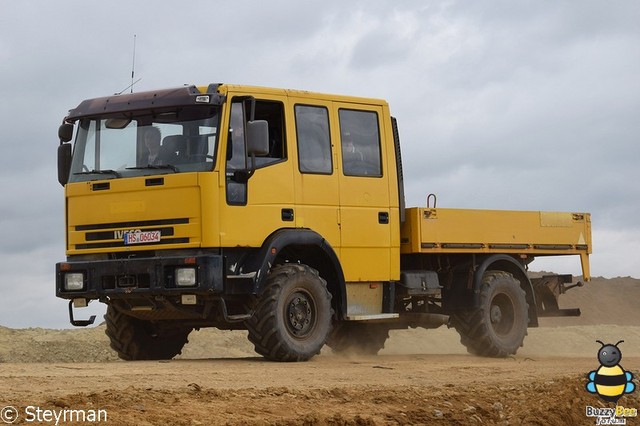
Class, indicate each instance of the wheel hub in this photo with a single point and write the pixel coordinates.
(496, 314)
(300, 317)
(501, 314)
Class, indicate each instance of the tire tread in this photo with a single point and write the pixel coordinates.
(263, 327)
(473, 327)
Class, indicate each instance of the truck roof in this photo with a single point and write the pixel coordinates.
(213, 94)
(301, 93)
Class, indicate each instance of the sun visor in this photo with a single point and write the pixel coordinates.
(158, 99)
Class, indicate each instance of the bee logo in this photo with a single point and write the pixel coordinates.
(610, 381)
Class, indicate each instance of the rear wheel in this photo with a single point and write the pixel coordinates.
(498, 326)
(292, 317)
(134, 339)
(360, 338)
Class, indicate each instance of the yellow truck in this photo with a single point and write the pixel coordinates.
(282, 212)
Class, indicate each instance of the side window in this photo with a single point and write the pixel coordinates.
(360, 143)
(314, 143)
(273, 113)
(237, 160)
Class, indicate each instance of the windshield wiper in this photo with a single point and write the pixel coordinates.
(155, 167)
(99, 172)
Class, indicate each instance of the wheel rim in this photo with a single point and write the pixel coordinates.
(300, 314)
(501, 314)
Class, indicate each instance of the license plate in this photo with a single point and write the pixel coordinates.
(141, 237)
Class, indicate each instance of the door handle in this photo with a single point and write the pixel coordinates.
(383, 218)
(287, 215)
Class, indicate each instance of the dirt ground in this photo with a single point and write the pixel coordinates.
(421, 377)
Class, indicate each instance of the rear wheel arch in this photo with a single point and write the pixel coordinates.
(506, 263)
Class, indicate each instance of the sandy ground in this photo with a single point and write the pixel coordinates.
(421, 377)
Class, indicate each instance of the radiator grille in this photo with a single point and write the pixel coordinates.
(110, 235)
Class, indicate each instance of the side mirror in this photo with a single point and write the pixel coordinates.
(65, 132)
(257, 138)
(64, 163)
(257, 146)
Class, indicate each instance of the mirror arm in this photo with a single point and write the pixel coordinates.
(253, 109)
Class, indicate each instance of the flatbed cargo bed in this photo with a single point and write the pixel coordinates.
(525, 233)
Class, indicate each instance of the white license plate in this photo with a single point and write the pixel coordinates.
(141, 237)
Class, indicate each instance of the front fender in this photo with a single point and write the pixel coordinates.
(303, 246)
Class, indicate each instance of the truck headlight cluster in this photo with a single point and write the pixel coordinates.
(73, 281)
(185, 277)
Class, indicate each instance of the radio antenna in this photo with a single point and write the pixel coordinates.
(133, 64)
(133, 70)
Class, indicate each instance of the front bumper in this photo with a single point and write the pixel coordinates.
(152, 276)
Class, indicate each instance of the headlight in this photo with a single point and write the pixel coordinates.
(185, 277)
(73, 281)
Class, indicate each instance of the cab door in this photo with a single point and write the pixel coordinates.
(364, 193)
(254, 207)
(316, 179)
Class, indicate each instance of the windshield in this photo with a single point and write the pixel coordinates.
(117, 146)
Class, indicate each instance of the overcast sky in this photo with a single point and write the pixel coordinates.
(530, 105)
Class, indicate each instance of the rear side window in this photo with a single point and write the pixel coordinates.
(314, 143)
(360, 139)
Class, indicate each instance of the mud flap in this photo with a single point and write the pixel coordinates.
(547, 290)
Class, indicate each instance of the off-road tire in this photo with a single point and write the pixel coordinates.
(292, 316)
(498, 326)
(358, 338)
(134, 339)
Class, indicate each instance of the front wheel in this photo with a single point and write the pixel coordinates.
(497, 327)
(134, 339)
(292, 317)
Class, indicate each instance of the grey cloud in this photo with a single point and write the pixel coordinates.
(529, 105)
(378, 49)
